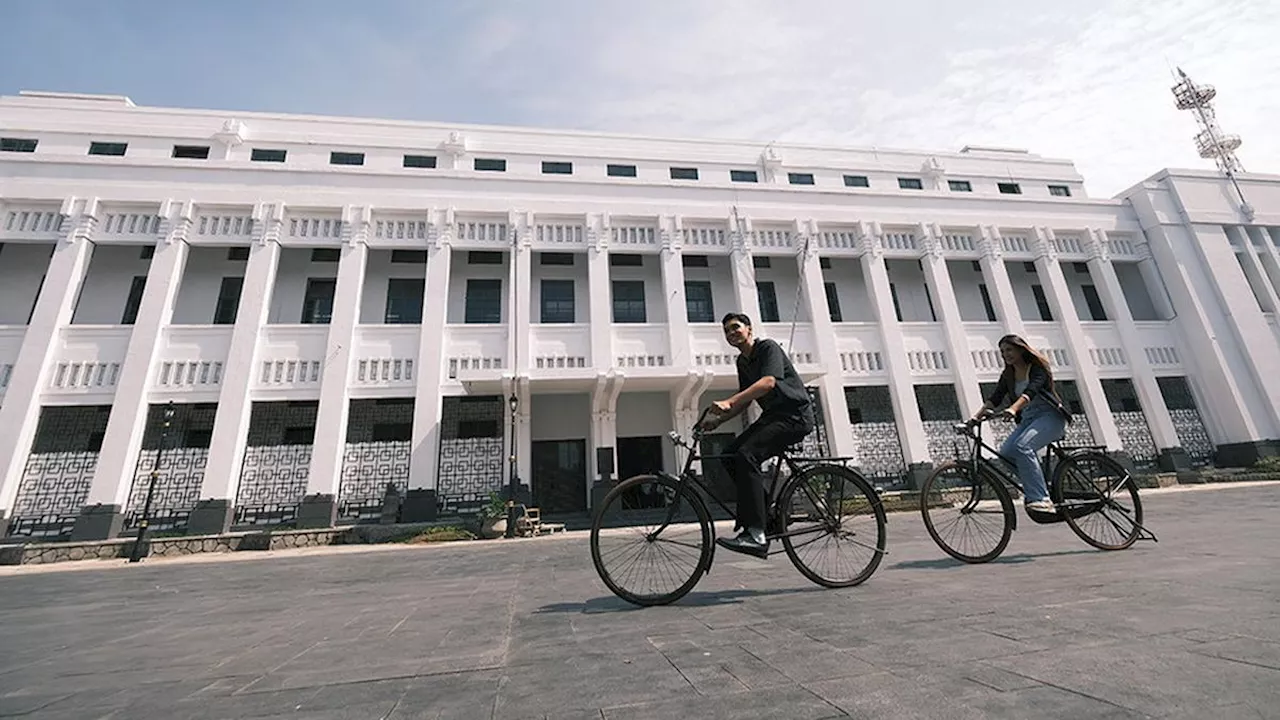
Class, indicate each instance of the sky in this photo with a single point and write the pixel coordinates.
(1085, 80)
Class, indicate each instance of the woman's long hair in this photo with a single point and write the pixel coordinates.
(1029, 355)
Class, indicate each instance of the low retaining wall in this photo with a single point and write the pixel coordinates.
(35, 553)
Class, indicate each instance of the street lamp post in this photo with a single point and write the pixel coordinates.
(145, 522)
(513, 402)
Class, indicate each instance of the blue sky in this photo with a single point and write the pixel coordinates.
(1087, 80)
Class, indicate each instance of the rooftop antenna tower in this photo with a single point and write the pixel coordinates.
(1211, 141)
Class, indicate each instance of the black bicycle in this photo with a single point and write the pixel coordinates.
(652, 537)
(968, 508)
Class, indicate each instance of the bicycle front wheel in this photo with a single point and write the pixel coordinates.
(832, 525)
(1099, 500)
(968, 513)
(651, 540)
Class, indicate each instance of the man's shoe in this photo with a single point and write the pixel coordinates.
(745, 543)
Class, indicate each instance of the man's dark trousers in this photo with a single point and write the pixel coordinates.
(762, 440)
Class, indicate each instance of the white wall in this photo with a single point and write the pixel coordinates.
(645, 414)
(851, 289)
(106, 285)
(965, 280)
(655, 296)
(560, 417)
(201, 283)
(378, 270)
(913, 299)
(292, 274)
(22, 266)
(1136, 292)
(576, 272)
(784, 272)
(720, 275)
(460, 270)
(1022, 280)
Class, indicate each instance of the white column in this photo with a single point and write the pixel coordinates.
(915, 446)
(1144, 379)
(678, 337)
(743, 272)
(939, 278)
(1059, 297)
(604, 419)
(813, 288)
(231, 425)
(320, 506)
(20, 412)
(521, 293)
(997, 277)
(600, 296)
(420, 501)
(1249, 255)
(117, 462)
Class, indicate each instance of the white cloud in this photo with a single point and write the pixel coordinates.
(1088, 81)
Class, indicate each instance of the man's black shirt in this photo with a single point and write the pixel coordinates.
(788, 398)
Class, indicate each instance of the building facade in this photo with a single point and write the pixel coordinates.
(324, 307)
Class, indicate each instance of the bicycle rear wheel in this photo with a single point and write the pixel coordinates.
(832, 526)
(1099, 500)
(651, 540)
(968, 513)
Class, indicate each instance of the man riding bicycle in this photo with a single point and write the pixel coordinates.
(766, 376)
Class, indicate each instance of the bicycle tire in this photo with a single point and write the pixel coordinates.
(1075, 519)
(683, 495)
(981, 483)
(869, 496)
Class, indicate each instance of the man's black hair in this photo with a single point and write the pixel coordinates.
(735, 316)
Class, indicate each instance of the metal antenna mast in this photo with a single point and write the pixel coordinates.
(1211, 141)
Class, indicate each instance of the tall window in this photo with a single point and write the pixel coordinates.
(833, 302)
(697, 301)
(1042, 303)
(986, 302)
(484, 301)
(404, 301)
(557, 301)
(317, 304)
(224, 312)
(134, 303)
(1096, 311)
(767, 295)
(628, 301)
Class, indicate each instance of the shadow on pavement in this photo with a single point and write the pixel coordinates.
(612, 603)
(950, 562)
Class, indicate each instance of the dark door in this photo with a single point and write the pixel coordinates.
(639, 455)
(560, 475)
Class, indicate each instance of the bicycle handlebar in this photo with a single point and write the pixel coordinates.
(695, 433)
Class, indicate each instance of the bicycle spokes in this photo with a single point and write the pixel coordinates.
(831, 526)
(966, 513)
(660, 547)
(1101, 502)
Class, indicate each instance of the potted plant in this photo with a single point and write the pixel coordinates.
(493, 517)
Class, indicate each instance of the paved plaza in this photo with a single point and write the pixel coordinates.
(1185, 628)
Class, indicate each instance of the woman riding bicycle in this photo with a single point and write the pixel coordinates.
(1039, 412)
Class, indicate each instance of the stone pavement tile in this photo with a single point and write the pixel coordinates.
(23, 701)
(721, 669)
(946, 648)
(888, 695)
(994, 678)
(792, 703)
(1153, 679)
(1048, 703)
(283, 679)
(460, 696)
(1229, 711)
(803, 659)
(1244, 650)
(589, 681)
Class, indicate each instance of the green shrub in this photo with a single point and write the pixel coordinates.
(1268, 464)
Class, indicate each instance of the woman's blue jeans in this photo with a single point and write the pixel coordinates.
(1039, 427)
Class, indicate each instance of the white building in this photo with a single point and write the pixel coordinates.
(334, 304)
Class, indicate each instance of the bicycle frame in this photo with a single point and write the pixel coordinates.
(687, 477)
